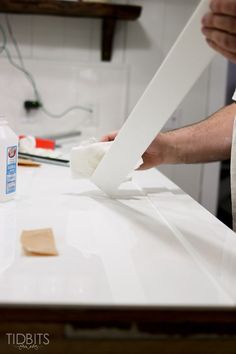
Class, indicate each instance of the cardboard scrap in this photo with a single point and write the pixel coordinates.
(39, 242)
(28, 163)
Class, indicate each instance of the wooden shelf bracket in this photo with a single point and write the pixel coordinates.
(109, 13)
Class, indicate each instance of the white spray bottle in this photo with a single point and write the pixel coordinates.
(8, 161)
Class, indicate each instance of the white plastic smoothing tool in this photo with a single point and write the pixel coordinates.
(185, 62)
(8, 161)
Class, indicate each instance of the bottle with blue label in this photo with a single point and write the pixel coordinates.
(8, 161)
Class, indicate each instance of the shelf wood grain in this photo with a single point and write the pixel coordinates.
(109, 13)
(71, 9)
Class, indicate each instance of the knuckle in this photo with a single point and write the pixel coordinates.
(223, 6)
(226, 41)
(209, 19)
(229, 42)
(230, 7)
(232, 25)
(215, 5)
(217, 37)
(225, 23)
(233, 4)
(218, 21)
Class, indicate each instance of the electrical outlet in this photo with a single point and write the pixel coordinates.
(30, 105)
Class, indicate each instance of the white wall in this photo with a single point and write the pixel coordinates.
(64, 56)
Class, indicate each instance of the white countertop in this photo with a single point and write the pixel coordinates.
(154, 246)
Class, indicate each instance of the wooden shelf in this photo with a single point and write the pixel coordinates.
(109, 13)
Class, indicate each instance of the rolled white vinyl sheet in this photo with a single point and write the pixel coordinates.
(185, 62)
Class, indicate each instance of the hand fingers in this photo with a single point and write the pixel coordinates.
(223, 23)
(226, 7)
(219, 27)
(222, 39)
(231, 56)
(109, 137)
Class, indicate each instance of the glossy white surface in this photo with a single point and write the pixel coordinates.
(152, 246)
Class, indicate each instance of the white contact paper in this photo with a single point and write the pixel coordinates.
(185, 62)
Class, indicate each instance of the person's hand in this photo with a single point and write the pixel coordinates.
(219, 27)
(109, 137)
(154, 154)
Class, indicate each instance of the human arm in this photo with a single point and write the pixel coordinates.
(207, 141)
